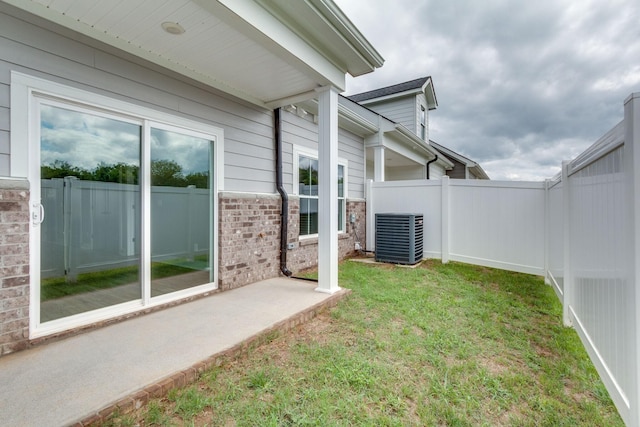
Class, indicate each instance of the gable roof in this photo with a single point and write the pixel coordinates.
(475, 168)
(411, 85)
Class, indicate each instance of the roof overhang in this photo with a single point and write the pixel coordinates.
(269, 53)
(427, 89)
(475, 168)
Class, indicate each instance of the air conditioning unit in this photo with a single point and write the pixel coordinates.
(399, 238)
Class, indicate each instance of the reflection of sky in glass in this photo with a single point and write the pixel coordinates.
(85, 140)
(188, 151)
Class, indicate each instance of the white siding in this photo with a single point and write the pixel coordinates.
(249, 151)
(303, 132)
(401, 111)
(405, 172)
(436, 171)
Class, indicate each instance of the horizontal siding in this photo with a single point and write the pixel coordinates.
(436, 171)
(401, 111)
(302, 132)
(401, 173)
(46, 54)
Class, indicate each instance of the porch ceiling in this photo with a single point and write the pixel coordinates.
(251, 49)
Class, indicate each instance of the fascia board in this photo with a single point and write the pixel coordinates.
(430, 93)
(403, 94)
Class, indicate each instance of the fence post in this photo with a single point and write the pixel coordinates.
(444, 218)
(547, 222)
(632, 189)
(568, 285)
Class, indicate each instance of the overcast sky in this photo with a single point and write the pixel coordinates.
(521, 84)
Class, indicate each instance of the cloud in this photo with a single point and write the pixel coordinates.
(520, 85)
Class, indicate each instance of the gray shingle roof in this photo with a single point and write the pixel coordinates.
(389, 90)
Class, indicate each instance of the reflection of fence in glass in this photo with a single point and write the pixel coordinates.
(94, 226)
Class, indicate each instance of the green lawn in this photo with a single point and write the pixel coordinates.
(452, 344)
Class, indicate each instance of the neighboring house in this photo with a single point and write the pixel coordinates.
(393, 151)
(408, 104)
(463, 167)
(143, 153)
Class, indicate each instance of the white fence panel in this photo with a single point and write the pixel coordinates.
(601, 292)
(479, 222)
(498, 224)
(420, 196)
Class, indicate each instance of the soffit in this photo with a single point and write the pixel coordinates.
(246, 52)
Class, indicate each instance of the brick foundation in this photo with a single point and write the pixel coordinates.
(14, 265)
(305, 254)
(250, 238)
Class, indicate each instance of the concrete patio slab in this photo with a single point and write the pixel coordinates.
(83, 378)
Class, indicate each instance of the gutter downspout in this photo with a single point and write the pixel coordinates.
(435, 159)
(284, 209)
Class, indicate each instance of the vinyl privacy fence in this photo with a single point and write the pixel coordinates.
(580, 230)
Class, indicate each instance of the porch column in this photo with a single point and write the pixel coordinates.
(327, 190)
(378, 163)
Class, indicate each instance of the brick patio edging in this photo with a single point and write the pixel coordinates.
(180, 379)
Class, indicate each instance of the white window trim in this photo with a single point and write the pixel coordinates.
(301, 151)
(27, 92)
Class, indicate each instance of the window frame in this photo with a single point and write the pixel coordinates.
(312, 154)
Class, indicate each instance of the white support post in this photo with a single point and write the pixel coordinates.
(632, 188)
(568, 285)
(370, 220)
(378, 163)
(444, 183)
(328, 190)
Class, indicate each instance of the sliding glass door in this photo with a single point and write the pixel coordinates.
(127, 211)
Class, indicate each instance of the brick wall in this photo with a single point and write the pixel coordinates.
(305, 253)
(14, 265)
(249, 238)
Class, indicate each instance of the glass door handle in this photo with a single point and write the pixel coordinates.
(37, 214)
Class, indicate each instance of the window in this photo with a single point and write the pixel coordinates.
(423, 123)
(308, 192)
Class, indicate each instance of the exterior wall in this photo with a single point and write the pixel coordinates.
(59, 57)
(250, 238)
(302, 132)
(305, 253)
(405, 172)
(401, 111)
(458, 171)
(249, 215)
(436, 171)
(14, 265)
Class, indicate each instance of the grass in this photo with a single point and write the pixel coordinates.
(452, 344)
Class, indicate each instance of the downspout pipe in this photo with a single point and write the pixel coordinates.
(284, 208)
(435, 159)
